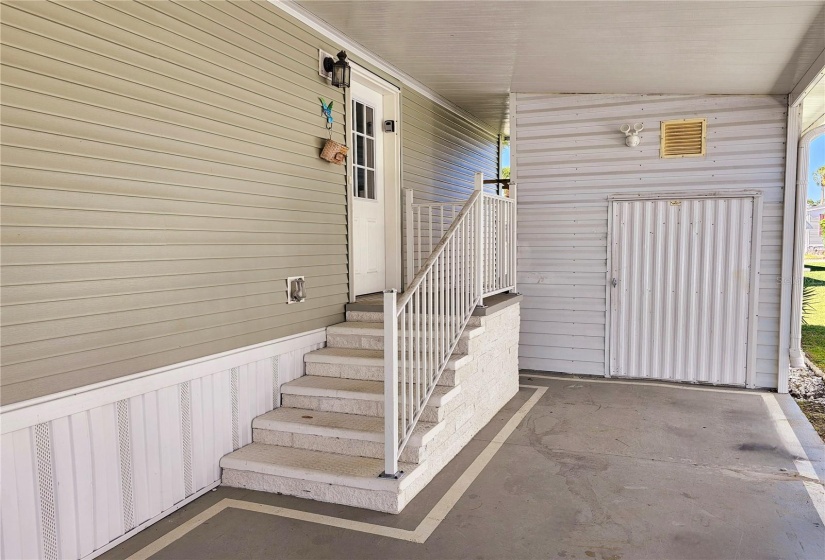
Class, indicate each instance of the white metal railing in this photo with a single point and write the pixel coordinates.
(475, 257)
(499, 221)
(426, 224)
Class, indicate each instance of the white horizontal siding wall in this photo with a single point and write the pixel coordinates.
(569, 157)
(81, 470)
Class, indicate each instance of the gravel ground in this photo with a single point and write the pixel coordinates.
(806, 384)
(808, 388)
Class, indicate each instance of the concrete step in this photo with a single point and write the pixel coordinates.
(356, 396)
(317, 475)
(368, 365)
(366, 335)
(334, 432)
(378, 317)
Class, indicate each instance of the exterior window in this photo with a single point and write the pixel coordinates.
(363, 146)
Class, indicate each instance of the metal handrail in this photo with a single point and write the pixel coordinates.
(474, 258)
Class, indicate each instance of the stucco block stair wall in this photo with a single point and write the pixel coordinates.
(326, 440)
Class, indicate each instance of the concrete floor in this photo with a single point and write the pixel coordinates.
(596, 469)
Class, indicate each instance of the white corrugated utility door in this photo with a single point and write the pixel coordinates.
(680, 276)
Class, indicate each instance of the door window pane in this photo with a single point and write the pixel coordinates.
(368, 129)
(363, 151)
(360, 182)
(360, 157)
(359, 117)
(370, 153)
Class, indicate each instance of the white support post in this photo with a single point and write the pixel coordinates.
(409, 235)
(513, 237)
(390, 386)
(479, 235)
(514, 184)
(788, 228)
(797, 358)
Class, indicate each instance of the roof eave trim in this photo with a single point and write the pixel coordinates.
(314, 22)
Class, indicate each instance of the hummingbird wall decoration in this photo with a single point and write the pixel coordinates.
(326, 109)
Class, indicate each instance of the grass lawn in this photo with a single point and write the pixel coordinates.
(813, 333)
(813, 336)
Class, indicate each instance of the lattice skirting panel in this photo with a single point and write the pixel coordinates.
(81, 470)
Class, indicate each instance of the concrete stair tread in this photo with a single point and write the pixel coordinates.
(316, 466)
(339, 387)
(377, 329)
(364, 357)
(338, 425)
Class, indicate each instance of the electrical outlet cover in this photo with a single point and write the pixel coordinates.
(289, 280)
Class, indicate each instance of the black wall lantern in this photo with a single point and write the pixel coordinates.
(340, 70)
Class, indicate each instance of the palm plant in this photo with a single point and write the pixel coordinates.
(808, 304)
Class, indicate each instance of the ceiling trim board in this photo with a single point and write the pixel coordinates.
(808, 81)
(314, 22)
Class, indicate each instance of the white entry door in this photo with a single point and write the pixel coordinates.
(680, 289)
(369, 220)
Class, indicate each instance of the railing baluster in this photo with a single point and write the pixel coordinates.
(462, 285)
(478, 234)
(460, 268)
(490, 255)
(502, 245)
(430, 229)
(441, 306)
(425, 334)
(390, 385)
(418, 256)
(453, 290)
(411, 361)
(489, 206)
(403, 369)
(471, 255)
(409, 234)
(418, 357)
(425, 341)
(441, 228)
(437, 296)
(430, 341)
(494, 275)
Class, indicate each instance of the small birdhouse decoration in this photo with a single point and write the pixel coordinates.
(333, 151)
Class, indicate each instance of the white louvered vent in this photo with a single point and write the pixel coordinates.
(683, 138)
(124, 438)
(45, 483)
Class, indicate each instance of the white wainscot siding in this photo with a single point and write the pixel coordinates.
(82, 469)
(569, 157)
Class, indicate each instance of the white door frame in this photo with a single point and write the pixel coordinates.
(392, 179)
(756, 250)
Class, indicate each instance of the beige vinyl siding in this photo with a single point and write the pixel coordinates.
(161, 180)
(569, 157)
(441, 151)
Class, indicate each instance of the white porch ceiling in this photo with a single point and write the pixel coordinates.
(813, 107)
(476, 53)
